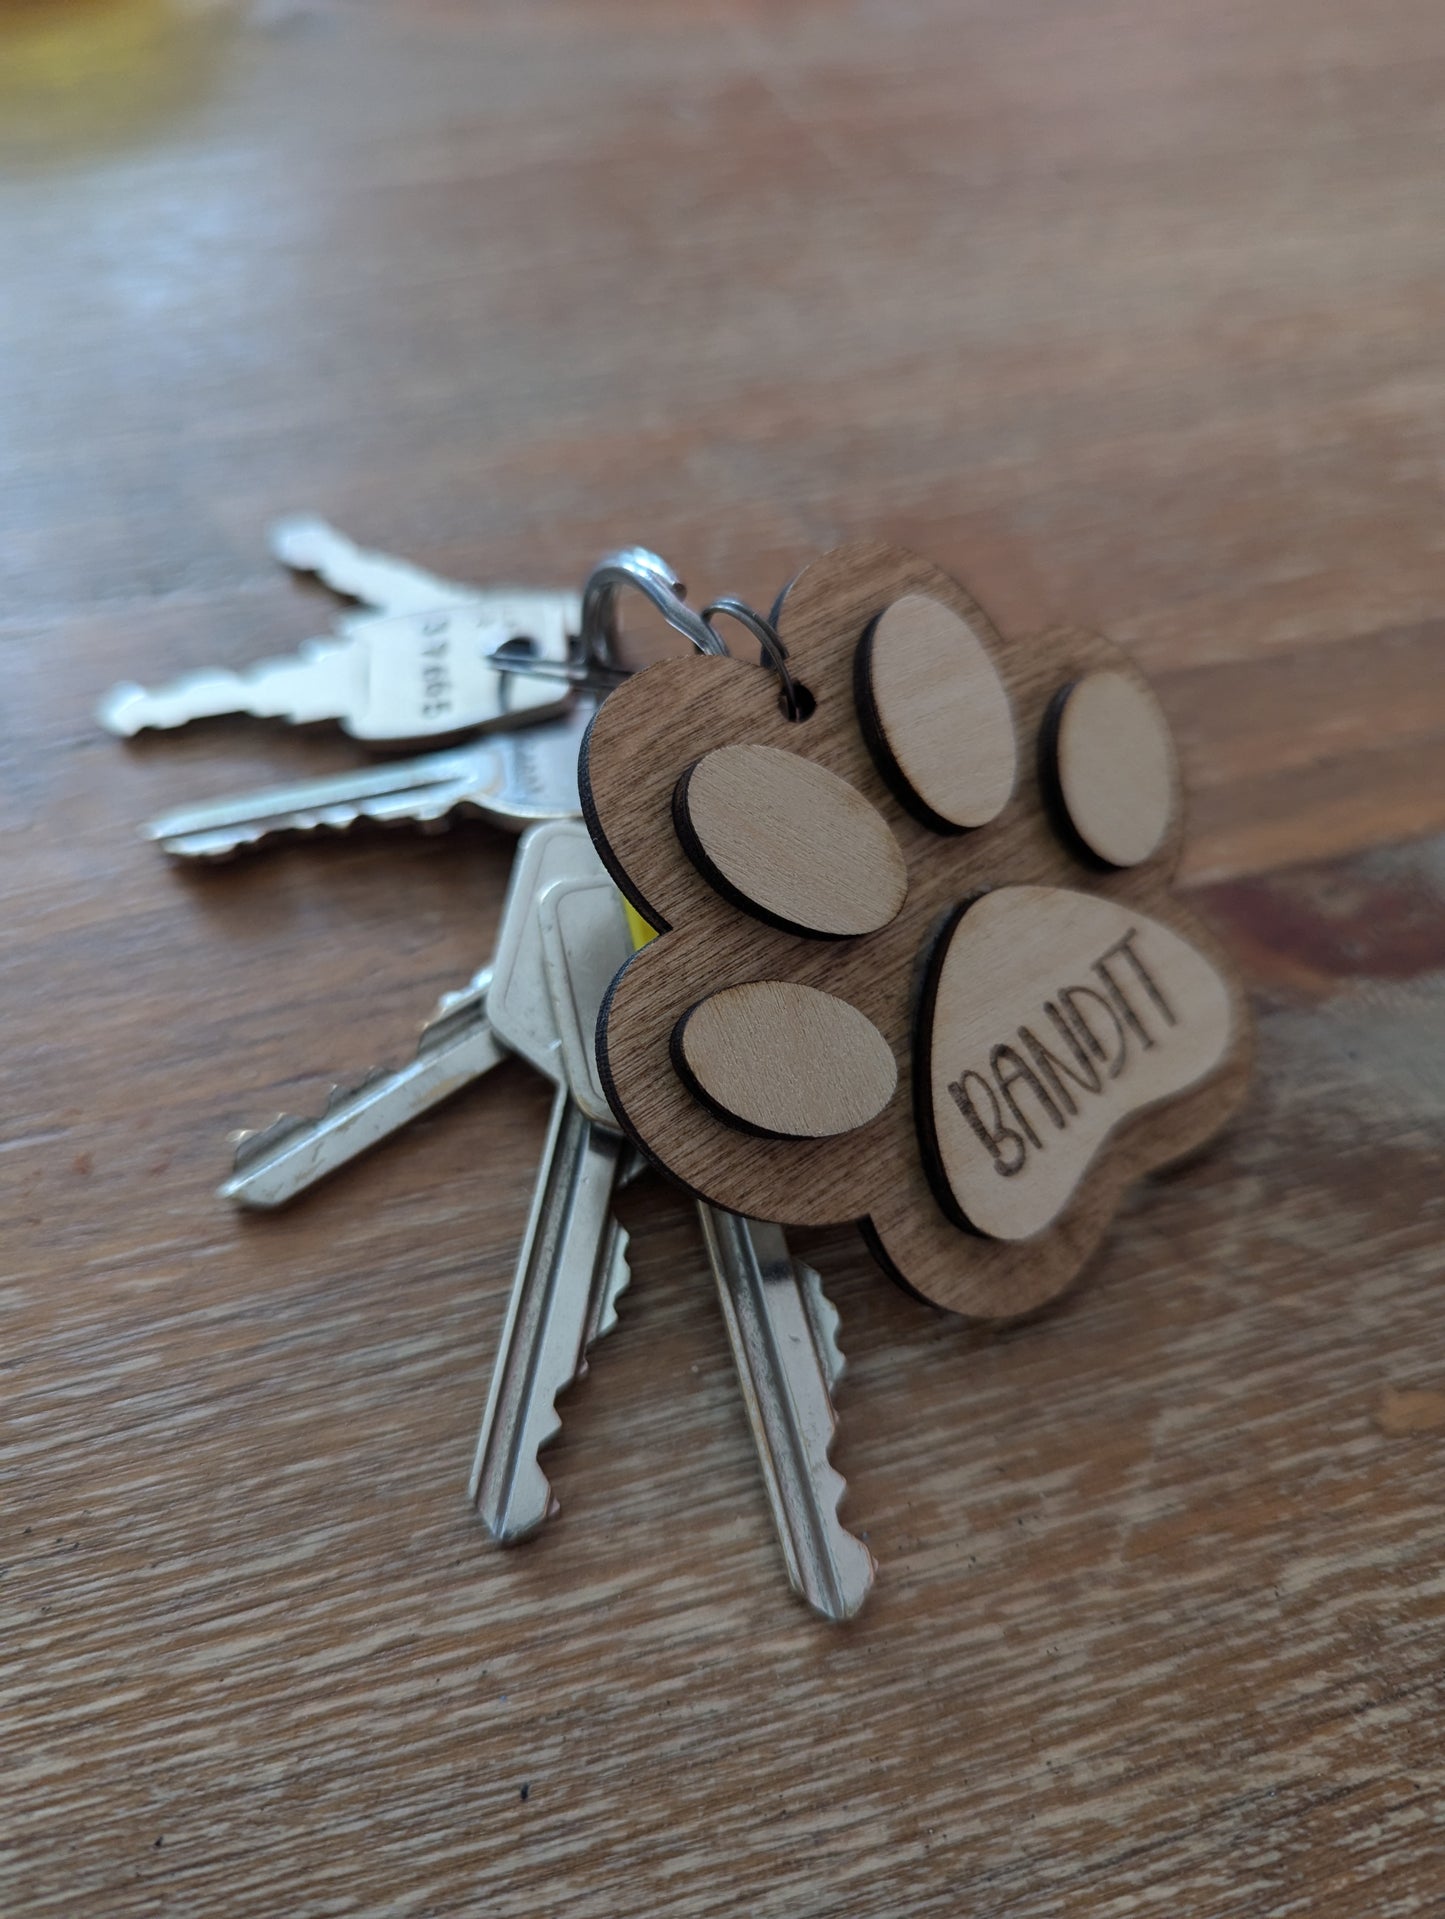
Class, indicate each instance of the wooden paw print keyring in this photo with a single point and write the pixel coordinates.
(918, 964)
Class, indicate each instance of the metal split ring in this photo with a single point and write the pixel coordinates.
(769, 643)
(634, 566)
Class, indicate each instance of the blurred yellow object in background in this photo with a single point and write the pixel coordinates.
(80, 74)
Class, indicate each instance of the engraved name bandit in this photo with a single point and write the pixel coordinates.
(919, 965)
(1127, 1024)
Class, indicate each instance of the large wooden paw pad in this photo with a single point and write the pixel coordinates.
(919, 965)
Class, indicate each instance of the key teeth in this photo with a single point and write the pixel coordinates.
(255, 1142)
(222, 843)
(619, 1279)
(552, 1432)
(853, 1584)
(853, 1581)
(462, 1004)
(824, 1320)
(296, 540)
(115, 709)
(129, 709)
(507, 1532)
(783, 1330)
(258, 1143)
(608, 1322)
(182, 846)
(612, 1279)
(341, 1094)
(601, 1321)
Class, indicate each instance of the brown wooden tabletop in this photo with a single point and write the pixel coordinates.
(1129, 315)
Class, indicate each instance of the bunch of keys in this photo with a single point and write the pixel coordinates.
(492, 672)
(877, 930)
(563, 936)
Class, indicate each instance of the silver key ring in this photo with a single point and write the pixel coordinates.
(596, 665)
(769, 642)
(635, 566)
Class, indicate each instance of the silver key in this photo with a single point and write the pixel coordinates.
(413, 666)
(783, 1331)
(456, 1048)
(275, 1164)
(308, 545)
(388, 679)
(585, 943)
(388, 585)
(781, 1327)
(573, 1263)
(512, 779)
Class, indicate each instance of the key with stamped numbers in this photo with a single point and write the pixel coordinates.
(388, 679)
(572, 1264)
(387, 585)
(513, 779)
(420, 663)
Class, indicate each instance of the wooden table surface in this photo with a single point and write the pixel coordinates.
(1130, 313)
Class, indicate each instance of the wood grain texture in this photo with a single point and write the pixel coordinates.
(786, 1060)
(678, 712)
(788, 841)
(935, 715)
(1113, 761)
(1131, 316)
